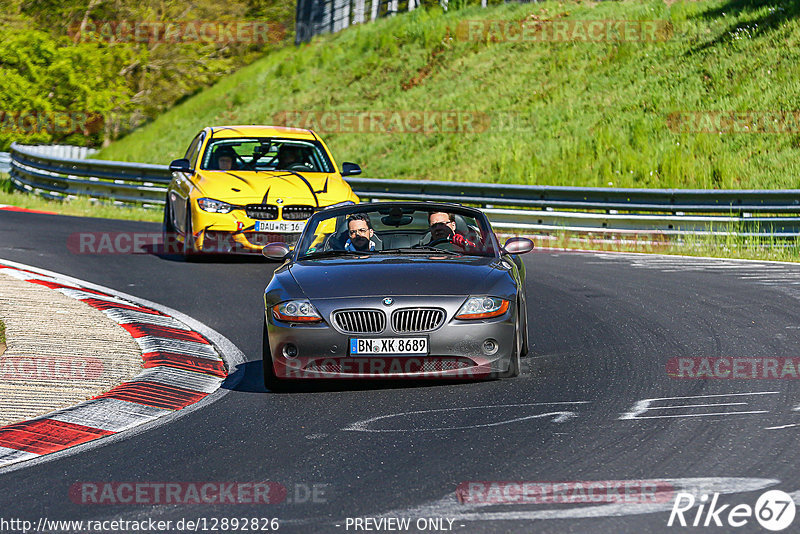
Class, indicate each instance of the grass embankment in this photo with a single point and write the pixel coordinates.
(719, 246)
(81, 206)
(584, 113)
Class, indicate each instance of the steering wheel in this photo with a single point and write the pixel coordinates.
(298, 167)
(432, 243)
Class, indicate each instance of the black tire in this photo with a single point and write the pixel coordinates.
(514, 366)
(189, 252)
(168, 231)
(523, 352)
(271, 381)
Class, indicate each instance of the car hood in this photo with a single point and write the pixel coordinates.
(398, 275)
(246, 187)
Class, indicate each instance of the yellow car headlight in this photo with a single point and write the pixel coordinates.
(214, 206)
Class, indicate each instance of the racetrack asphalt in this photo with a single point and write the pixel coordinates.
(603, 328)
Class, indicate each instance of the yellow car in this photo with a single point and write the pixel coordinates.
(241, 187)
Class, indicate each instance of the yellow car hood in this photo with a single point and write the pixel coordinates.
(244, 187)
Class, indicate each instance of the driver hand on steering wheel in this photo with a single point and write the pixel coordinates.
(443, 226)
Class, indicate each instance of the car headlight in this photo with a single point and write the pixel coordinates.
(214, 206)
(482, 308)
(296, 311)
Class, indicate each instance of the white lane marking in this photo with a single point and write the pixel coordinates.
(180, 378)
(782, 426)
(113, 415)
(10, 456)
(697, 414)
(678, 407)
(645, 405)
(163, 344)
(123, 316)
(450, 507)
(558, 417)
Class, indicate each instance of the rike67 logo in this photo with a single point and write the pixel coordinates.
(774, 510)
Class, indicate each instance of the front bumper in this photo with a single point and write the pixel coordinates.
(456, 349)
(214, 241)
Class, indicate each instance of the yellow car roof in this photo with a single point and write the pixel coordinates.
(251, 130)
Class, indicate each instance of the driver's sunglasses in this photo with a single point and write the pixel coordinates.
(361, 231)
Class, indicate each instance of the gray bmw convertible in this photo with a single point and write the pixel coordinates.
(395, 290)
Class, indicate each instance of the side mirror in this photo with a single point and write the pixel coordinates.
(350, 169)
(518, 245)
(276, 251)
(180, 165)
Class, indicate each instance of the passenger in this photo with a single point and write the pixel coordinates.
(360, 230)
(225, 156)
(443, 226)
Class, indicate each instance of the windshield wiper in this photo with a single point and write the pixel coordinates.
(421, 248)
(333, 253)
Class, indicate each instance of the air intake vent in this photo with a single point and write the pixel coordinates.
(360, 321)
(263, 212)
(411, 320)
(297, 213)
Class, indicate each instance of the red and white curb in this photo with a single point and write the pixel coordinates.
(182, 368)
(6, 207)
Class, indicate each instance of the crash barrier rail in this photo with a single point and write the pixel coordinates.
(512, 207)
(5, 162)
(315, 17)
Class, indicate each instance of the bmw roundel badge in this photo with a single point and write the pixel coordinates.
(388, 301)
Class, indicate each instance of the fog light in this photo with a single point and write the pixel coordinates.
(290, 350)
(489, 346)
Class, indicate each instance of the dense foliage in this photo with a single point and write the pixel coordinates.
(66, 79)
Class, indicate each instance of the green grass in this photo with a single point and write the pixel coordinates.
(81, 206)
(592, 114)
(727, 246)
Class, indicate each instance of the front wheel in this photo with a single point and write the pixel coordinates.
(188, 236)
(271, 381)
(168, 231)
(514, 365)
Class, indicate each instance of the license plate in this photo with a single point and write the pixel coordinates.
(280, 227)
(394, 345)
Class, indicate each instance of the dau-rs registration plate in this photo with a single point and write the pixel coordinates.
(280, 227)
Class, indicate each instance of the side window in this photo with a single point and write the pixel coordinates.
(194, 149)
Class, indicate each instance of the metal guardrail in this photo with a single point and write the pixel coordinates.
(521, 207)
(5, 162)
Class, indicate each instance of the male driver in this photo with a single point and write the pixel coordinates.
(290, 157)
(443, 226)
(360, 230)
(225, 157)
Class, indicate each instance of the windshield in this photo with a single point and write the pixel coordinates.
(266, 154)
(396, 230)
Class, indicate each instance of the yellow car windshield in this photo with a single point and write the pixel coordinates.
(266, 154)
